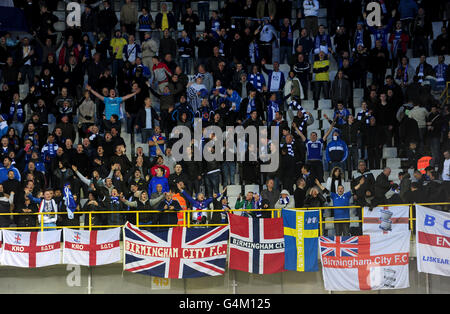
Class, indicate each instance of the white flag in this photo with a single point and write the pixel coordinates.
(31, 249)
(385, 219)
(433, 241)
(367, 262)
(90, 248)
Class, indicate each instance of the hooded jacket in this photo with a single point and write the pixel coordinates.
(336, 151)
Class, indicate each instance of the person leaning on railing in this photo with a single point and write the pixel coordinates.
(167, 215)
(93, 204)
(143, 204)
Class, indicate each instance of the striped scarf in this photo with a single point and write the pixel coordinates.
(284, 201)
(253, 52)
(69, 202)
(19, 111)
(256, 81)
(290, 148)
(47, 207)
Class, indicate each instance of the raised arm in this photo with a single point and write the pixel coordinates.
(329, 131)
(89, 88)
(297, 130)
(157, 200)
(131, 95)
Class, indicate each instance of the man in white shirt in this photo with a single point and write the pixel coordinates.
(446, 166)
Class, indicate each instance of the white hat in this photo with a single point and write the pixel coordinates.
(285, 192)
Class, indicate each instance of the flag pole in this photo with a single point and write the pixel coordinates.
(427, 283)
(90, 280)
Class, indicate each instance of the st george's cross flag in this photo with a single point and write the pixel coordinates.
(367, 262)
(433, 241)
(31, 249)
(91, 248)
(385, 219)
(177, 252)
(256, 244)
(301, 237)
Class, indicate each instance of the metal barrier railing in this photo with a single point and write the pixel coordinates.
(189, 224)
(445, 94)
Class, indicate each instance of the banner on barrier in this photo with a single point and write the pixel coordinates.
(433, 241)
(91, 248)
(301, 237)
(256, 244)
(176, 252)
(367, 262)
(385, 219)
(31, 249)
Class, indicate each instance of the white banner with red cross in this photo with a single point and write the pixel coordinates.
(433, 241)
(90, 248)
(367, 262)
(31, 249)
(385, 219)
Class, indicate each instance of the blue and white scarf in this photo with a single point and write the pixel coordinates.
(396, 43)
(272, 108)
(359, 38)
(256, 80)
(19, 111)
(69, 201)
(284, 201)
(290, 148)
(251, 106)
(114, 200)
(253, 51)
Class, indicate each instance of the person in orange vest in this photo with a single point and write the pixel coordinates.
(423, 163)
(182, 201)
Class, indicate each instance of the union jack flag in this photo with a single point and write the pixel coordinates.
(176, 252)
(339, 246)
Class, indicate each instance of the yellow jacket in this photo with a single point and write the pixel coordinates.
(321, 70)
(117, 45)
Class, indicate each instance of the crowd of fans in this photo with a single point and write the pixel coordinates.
(65, 96)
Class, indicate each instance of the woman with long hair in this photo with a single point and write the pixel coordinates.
(335, 179)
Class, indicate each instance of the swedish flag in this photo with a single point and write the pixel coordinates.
(301, 236)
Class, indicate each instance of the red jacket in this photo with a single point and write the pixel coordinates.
(62, 55)
(166, 170)
(404, 39)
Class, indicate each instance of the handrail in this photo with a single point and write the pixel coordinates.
(445, 93)
(187, 222)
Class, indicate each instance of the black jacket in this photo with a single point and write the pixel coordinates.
(164, 217)
(382, 185)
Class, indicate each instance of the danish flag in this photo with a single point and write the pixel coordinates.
(31, 249)
(90, 248)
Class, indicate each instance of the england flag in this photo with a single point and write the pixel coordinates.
(367, 262)
(91, 248)
(31, 249)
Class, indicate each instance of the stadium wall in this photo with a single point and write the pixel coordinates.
(110, 279)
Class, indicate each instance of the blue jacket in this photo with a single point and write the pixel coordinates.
(343, 200)
(235, 99)
(336, 151)
(4, 173)
(407, 9)
(158, 180)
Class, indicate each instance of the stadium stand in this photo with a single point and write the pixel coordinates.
(415, 110)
